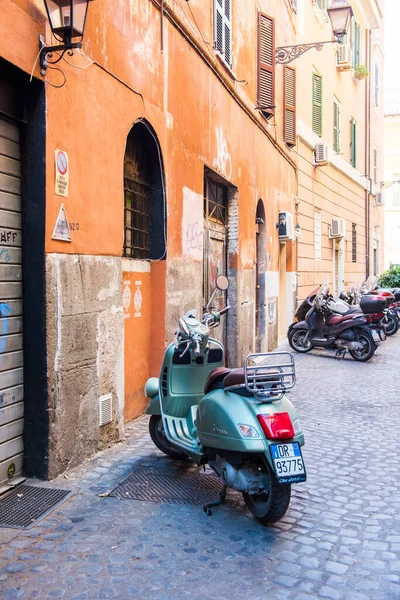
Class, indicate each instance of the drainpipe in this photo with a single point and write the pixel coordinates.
(367, 153)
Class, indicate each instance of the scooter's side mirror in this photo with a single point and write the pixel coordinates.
(183, 327)
(222, 282)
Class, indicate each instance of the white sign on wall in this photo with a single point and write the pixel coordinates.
(62, 172)
(192, 225)
(61, 230)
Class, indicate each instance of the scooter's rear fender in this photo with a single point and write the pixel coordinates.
(220, 412)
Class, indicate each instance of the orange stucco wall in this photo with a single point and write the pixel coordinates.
(203, 116)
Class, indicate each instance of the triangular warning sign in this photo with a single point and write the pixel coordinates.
(61, 230)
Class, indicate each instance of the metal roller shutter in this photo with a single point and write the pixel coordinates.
(11, 354)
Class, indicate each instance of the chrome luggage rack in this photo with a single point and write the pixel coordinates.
(269, 375)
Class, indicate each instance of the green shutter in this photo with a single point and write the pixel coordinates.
(336, 127)
(317, 104)
(358, 46)
(353, 144)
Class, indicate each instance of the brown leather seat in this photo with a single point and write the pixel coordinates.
(235, 377)
(216, 376)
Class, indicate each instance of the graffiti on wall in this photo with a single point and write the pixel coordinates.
(223, 161)
(192, 225)
(5, 255)
(5, 311)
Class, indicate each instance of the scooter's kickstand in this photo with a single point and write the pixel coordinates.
(221, 500)
(340, 354)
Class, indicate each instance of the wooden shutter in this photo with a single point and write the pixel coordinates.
(289, 115)
(376, 85)
(358, 45)
(317, 104)
(223, 29)
(266, 65)
(375, 166)
(336, 126)
(353, 144)
(228, 32)
(218, 26)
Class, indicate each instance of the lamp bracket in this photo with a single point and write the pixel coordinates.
(286, 54)
(46, 53)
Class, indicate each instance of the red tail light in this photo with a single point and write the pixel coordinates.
(277, 426)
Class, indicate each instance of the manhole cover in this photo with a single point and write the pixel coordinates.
(26, 504)
(169, 488)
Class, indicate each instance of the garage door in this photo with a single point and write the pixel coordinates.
(11, 355)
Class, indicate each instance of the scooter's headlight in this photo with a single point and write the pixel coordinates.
(248, 431)
(297, 427)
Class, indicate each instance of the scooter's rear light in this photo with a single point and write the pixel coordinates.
(276, 426)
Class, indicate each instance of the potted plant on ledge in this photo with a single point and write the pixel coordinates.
(361, 72)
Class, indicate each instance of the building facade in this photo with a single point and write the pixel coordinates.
(391, 185)
(340, 148)
(132, 173)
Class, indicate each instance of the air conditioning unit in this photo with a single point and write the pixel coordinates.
(285, 226)
(379, 199)
(321, 154)
(338, 229)
(343, 57)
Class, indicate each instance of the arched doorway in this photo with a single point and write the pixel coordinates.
(144, 271)
(261, 258)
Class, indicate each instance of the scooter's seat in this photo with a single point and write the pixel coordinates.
(234, 378)
(216, 378)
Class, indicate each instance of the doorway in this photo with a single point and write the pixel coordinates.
(261, 256)
(215, 247)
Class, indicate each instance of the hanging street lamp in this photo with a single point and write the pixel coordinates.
(340, 13)
(67, 21)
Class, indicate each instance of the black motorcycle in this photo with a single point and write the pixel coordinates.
(321, 327)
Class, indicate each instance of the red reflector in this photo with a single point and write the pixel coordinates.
(277, 426)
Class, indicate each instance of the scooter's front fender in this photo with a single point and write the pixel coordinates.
(153, 407)
(220, 412)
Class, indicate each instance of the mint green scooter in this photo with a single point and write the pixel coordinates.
(238, 421)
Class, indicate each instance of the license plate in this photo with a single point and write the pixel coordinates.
(288, 462)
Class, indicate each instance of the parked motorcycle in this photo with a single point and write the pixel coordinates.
(378, 304)
(238, 421)
(325, 327)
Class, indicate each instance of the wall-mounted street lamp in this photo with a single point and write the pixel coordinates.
(340, 13)
(67, 21)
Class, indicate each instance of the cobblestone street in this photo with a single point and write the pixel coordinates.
(340, 538)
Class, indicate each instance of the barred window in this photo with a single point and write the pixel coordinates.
(144, 210)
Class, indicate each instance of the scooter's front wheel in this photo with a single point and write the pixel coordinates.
(299, 340)
(157, 434)
(269, 506)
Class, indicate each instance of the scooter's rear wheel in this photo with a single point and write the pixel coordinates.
(157, 434)
(270, 506)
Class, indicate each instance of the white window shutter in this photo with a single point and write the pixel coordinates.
(223, 29)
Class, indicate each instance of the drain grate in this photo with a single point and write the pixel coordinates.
(169, 488)
(26, 504)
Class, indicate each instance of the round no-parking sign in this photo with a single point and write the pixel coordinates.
(62, 172)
